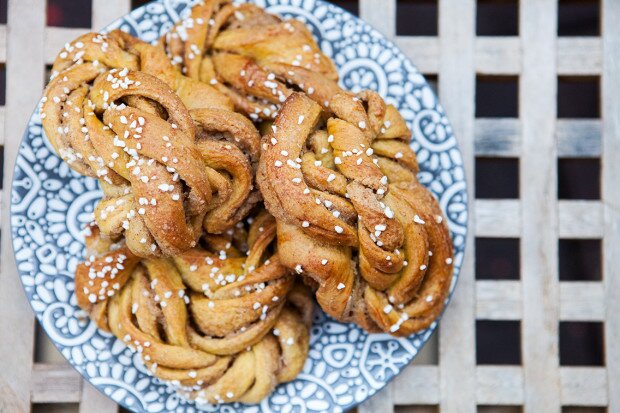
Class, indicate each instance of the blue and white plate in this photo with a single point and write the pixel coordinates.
(50, 204)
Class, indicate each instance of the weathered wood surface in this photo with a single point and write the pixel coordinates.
(538, 299)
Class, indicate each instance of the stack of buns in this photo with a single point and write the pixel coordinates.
(239, 181)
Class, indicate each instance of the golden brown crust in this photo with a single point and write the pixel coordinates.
(352, 215)
(132, 130)
(214, 322)
(255, 58)
(168, 182)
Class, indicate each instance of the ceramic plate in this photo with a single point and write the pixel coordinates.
(50, 204)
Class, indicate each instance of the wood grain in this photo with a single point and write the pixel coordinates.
(23, 91)
(538, 183)
(457, 92)
(611, 195)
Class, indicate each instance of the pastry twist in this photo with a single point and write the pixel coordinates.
(83, 114)
(74, 70)
(352, 215)
(254, 57)
(222, 326)
(149, 142)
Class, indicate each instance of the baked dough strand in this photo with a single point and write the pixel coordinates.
(218, 324)
(352, 217)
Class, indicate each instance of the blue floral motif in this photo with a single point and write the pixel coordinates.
(50, 204)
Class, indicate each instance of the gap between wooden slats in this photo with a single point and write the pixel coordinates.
(501, 137)
(610, 86)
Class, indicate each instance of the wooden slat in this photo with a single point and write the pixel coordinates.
(24, 71)
(584, 386)
(2, 43)
(417, 385)
(503, 300)
(381, 402)
(538, 188)
(2, 121)
(501, 137)
(105, 12)
(55, 383)
(92, 400)
(380, 14)
(578, 138)
(582, 301)
(579, 55)
(55, 39)
(581, 219)
(498, 55)
(611, 195)
(499, 300)
(424, 51)
(457, 93)
(498, 218)
(502, 55)
(498, 137)
(502, 218)
(499, 385)
(504, 385)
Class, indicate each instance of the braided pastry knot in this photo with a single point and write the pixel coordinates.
(222, 326)
(146, 141)
(75, 69)
(153, 60)
(352, 216)
(62, 106)
(133, 132)
(254, 57)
